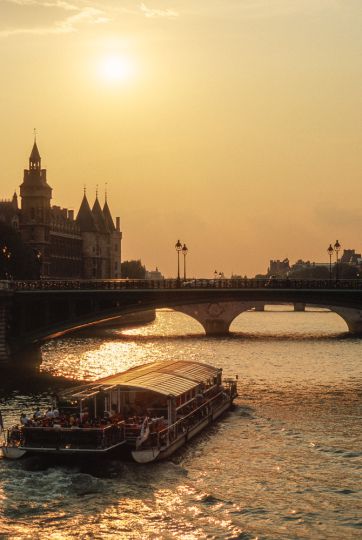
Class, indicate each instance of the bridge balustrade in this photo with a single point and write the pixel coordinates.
(132, 284)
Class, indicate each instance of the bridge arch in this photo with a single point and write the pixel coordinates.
(217, 317)
(351, 316)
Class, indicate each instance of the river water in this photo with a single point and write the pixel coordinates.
(285, 463)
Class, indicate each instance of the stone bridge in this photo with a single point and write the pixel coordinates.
(31, 311)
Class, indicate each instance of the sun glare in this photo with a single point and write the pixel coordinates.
(114, 69)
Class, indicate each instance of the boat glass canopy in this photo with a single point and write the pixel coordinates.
(168, 378)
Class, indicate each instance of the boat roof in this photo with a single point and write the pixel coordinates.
(169, 378)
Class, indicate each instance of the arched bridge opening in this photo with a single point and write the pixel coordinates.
(217, 318)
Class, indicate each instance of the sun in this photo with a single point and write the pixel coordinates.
(115, 69)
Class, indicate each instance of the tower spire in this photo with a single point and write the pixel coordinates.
(35, 159)
(105, 192)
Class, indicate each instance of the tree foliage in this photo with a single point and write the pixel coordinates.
(17, 261)
(133, 270)
(311, 271)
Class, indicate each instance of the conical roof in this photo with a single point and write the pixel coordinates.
(98, 217)
(34, 156)
(14, 200)
(85, 217)
(108, 217)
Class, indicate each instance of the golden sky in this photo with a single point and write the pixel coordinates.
(234, 125)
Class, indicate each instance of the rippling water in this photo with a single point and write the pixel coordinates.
(286, 463)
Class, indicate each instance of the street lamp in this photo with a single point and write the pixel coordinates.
(178, 248)
(337, 247)
(330, 253)
(7, 256)
(184, 253)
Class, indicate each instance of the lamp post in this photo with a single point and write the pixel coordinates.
(184, 253)
(178, 248)
(330, 253)
(38, 256)
(337, 247)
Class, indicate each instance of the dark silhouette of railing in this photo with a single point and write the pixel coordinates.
(182, 285)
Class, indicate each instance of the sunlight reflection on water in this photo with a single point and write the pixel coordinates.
(261, 344)
(286, 463)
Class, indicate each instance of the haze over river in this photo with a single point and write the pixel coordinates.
(285, 463)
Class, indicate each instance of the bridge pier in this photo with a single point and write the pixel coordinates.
(4, 352)
(4, 325)
(299, 306)
(216, 327)
(352, 317)
(215, 317)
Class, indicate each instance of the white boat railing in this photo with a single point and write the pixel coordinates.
(61, 437)
(183, 425)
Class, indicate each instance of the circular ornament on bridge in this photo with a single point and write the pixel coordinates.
(215, 310)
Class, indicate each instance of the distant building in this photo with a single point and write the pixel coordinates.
(278, 268)
(300, 264)
(350, 257)
(9, 212)
(154, 274)
(86, 247)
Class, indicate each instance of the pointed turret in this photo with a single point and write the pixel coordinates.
(14, 201)
(35, 159)
(108, 217)
(85, 217)
(35, 192)
(99, 217)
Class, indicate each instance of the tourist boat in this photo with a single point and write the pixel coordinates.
(146, 412)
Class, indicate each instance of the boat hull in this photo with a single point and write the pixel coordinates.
(12, 452)
(149, 455)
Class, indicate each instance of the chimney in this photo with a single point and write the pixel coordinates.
(71, 215)
(118, 223)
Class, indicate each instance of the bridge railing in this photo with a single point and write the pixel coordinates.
(184, 285)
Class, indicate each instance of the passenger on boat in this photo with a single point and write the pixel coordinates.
(24, 420)
(84, 415)
(113, 411)
(49, 414)
(37, 414)
(15, 435)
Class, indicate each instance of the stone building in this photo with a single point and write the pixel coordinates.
(9, 212)
(350, 256)
(278, 268)
(86, 247)
(101, 241)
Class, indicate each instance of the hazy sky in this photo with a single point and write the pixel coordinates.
(234, 125)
